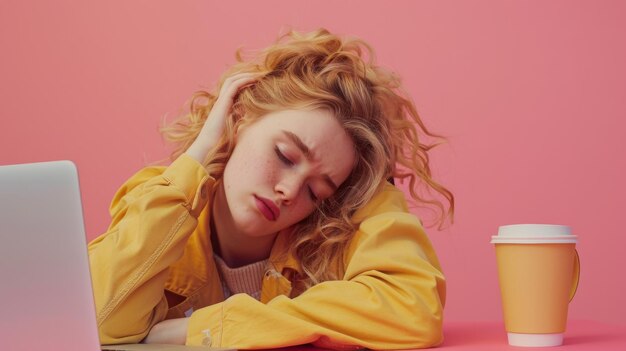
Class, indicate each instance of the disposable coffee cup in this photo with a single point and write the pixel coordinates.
(538, 271)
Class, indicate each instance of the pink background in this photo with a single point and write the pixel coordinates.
(532, 95)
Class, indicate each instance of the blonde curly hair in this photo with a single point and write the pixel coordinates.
(322, 70)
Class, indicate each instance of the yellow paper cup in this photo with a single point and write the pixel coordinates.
(538, 269)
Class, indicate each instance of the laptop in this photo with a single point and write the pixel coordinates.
(46, 298)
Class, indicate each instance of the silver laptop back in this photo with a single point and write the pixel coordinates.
(45, 288)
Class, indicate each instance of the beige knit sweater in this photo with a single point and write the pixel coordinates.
(246, 279)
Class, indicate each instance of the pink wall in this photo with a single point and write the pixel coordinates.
(531, 93)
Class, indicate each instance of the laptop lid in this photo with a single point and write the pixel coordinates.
(46, 299)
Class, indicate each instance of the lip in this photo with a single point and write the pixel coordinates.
(267, 208)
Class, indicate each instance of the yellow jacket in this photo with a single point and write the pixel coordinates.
(158, 247)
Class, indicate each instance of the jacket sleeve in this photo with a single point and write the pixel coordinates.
(153, 214)
(391, 297)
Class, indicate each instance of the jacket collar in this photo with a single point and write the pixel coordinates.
(280, 258)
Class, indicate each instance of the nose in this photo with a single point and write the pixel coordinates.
(288, 188)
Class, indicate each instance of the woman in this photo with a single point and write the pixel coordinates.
(274, 225)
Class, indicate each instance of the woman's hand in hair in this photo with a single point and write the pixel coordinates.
(214, 125)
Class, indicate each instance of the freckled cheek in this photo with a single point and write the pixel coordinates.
(266, 171)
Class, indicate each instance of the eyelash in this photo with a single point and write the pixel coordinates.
(288, 162)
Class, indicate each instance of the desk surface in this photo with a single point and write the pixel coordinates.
(486, 336)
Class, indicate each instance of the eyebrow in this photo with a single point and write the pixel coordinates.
(307, 153)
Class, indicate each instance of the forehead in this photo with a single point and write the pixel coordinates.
(319, 130)
(304, 120)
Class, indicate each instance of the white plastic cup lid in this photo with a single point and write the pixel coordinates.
(534, 234)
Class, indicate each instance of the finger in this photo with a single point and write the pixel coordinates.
(238, 76)
(225, 99)
(236, 79)
(236, 85)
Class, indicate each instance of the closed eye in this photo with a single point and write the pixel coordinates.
(282, 157)
(288, 162)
